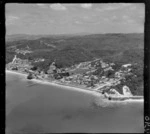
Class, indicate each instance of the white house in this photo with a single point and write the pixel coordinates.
(126, 91)
(126, 65)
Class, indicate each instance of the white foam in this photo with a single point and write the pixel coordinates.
(68, 87)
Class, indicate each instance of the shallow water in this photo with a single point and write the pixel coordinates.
(34, 108)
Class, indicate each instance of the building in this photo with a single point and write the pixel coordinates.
(126, 65)
(19, 64)
(52, 68)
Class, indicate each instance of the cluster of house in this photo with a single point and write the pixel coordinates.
(80, 79)
(53, 73)
(115, 95)
(19, 64)
(49, 45)
(102, 82)
(18, 51)
(39, 60)
(63, 75)
(107, 83)
(87, 78)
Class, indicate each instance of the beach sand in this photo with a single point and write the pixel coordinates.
(54, 84)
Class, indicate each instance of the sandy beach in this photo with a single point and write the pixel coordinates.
(72, 88)
(55, 84)
(13, 72)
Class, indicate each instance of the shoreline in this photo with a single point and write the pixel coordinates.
(78, 89)
(14, 72)
(56, 84)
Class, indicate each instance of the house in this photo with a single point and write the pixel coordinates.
(126, 91)
(126, 65)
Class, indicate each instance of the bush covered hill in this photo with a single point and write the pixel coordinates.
(68, 50)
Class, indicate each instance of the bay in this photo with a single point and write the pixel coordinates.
(37, 108)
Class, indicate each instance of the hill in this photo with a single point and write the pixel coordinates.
(69, 50)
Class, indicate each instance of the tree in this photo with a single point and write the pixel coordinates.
(30, 76)
(34, 68)
(98, 72)
(14, 68)
(109, 73)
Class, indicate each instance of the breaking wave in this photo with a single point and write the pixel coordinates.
(103, 102)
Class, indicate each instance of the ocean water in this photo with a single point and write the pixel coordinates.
(36, 108)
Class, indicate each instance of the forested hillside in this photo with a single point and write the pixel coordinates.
(69, 50)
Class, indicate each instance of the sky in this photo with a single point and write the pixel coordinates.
(57, 18)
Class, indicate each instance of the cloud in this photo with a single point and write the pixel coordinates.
(132, 8)
(58, 7)
(11, 19)
(108, 8)
(78, 22)
(41, 5)
(112, 7)
(69, 4)
(87, 6)
(114, 17)
(127, 19)
(126, 4)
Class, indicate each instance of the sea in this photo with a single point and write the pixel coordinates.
(39, 108)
